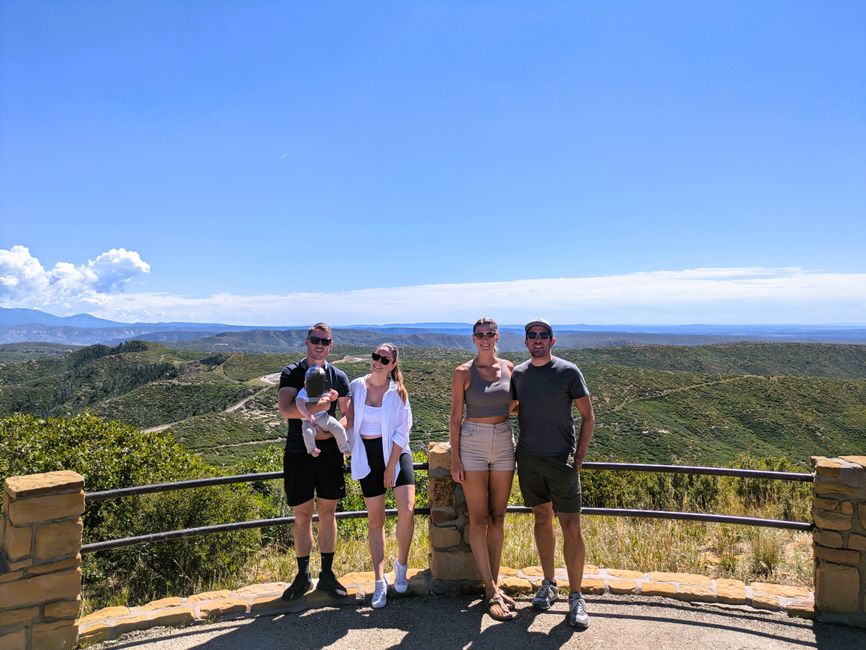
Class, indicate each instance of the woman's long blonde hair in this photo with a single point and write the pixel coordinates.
(396, 375)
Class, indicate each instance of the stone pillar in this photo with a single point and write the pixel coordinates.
(839, 539)
(452, 567)
(40, 578)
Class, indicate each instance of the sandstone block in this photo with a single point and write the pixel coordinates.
(58, 540)
(801, 608)
(62, 634)
(16, 541)
(440, 492)
(624, 573)
(828, 538)
(453, 566)
(24, 563)
(53, 567)
(265, 602)
(210, 595)
(265, 588)
(592, 586)
(837, 588)
(33, 591)
(14, 640)
(534, 571)
(857, 542)
(104, 614)
(227, 607)
(11, 576)
(856, 460)
(830, 505)
(95, 633)
(829, 488)
(46, 508)
(590, 569)
(362, 581)
(695, 593)
(20, 487)
(439, 457)
(847, 508)
(651, 589)
(133, 623)
(514, 585)
(861, 514)
(16, 616)
(445, 517)
(838, 555)
(63, 609)
(780, 590)
(444, 537)
(732, 592)
(507, 571)
(617, 586)
(162, 603)
(763, 600)
(831, 520)
(685, 578)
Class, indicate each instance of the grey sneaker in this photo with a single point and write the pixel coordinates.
(577, 616)
(401, 582)
(546, 595)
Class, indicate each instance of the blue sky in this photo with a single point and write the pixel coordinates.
(273, 162)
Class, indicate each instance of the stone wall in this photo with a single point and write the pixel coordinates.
(452, 567)
(40, 578)
(839, 539)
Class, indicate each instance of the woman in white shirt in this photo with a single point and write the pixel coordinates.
(381, 418)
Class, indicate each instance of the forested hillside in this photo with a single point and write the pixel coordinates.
(704, 404)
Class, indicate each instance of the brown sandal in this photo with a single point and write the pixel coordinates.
(504, 614)
(509, 601)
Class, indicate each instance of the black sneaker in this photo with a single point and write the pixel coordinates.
(546, 595)
(577, 614)
(300, 585)
(329, 584)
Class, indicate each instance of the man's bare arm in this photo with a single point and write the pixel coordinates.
(587, 422)
(286, 404)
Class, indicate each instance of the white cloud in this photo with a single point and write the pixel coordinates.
(705, 295)
(24, 282)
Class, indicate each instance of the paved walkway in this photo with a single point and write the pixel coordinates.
(617, 622)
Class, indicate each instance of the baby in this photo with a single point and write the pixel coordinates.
(315, 386)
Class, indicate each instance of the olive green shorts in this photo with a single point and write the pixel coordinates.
(549, 478)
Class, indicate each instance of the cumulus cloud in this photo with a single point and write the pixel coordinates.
(24, 282)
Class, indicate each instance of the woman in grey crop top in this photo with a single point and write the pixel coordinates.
(482, 456)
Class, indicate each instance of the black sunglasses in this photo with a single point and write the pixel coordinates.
(482, 335)
(378, 357)
(538, 335)
(318, 340)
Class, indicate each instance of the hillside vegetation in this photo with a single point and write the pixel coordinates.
(653, 403)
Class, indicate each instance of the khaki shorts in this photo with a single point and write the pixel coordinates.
(549, 478)
(486, 447)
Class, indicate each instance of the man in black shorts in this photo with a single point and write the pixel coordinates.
(549, 456)
(304, 475)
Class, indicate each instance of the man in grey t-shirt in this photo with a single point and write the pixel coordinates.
(549, 457)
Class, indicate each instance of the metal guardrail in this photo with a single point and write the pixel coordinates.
(103, 495)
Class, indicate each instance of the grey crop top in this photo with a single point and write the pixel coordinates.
(486, 399)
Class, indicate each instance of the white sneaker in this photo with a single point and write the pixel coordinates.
(401, 582)
(380, 594)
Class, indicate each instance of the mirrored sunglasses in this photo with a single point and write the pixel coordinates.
(318, 340)
(538, 335)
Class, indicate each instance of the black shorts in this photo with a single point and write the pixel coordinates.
(544, 479)
(304, 475)
(373, 485)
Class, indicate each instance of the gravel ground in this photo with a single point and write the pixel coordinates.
(459, 622)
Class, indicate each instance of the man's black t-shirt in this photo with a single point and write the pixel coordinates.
(293, 377)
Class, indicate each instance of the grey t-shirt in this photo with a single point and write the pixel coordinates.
(546, 394)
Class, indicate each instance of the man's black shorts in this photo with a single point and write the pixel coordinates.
(304, 475)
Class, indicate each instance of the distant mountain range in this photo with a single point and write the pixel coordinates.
(33, 326)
